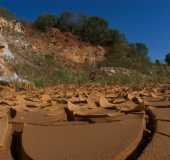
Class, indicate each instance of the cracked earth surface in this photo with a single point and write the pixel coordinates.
(87, 122)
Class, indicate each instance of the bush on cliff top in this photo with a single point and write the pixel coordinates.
(45, 22)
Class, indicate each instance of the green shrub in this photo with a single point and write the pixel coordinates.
(39, 83)
(49, 59)
(45, 22)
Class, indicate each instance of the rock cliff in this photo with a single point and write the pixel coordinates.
(23, 48)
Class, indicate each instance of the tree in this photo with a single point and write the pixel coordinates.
(112, 37)
(167, 58)
(45, 22)
(91, 29)
(140, 48)
(94, 29)
(7, 14)
(157, 62)
(64, 21)
(71, 22)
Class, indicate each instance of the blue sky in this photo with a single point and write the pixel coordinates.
(145, 21)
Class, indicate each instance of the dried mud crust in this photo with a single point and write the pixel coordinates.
(75, 109)
(81, 142)
(159, 146)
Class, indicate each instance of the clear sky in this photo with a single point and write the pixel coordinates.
(145, 21)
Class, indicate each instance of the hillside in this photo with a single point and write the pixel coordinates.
(66, 53)
(35, 52)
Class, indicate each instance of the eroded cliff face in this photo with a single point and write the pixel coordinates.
(22, 50)
(66, 46)
(85, 55)
(62, 45)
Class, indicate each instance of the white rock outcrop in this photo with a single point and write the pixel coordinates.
(10, 25)
(6, 56)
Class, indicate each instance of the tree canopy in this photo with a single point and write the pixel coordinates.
(71, 22)
(92, 29)
(140, 48)
(45, 22)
